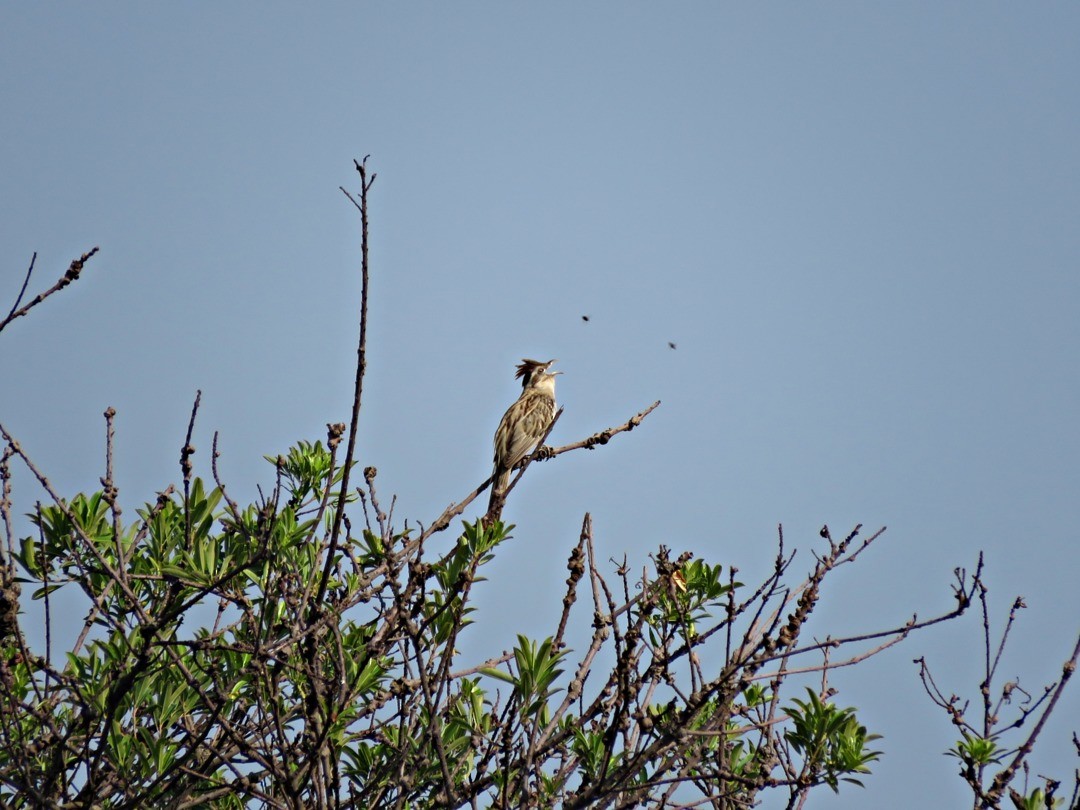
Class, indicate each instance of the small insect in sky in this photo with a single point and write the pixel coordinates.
(585, 318)
(671, 345)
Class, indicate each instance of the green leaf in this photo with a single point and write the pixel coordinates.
(491, 672)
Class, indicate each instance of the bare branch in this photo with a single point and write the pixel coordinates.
(70, 275)
(361, 369)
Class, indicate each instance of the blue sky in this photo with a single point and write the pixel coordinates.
(856, 221)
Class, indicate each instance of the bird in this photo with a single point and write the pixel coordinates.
(524, 423)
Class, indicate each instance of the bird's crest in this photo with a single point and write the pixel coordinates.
(528, 369)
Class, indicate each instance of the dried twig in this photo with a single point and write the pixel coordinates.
(70, 275)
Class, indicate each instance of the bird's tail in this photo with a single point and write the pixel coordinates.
(499, 483)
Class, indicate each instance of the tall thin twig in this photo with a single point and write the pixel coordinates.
(361, 368)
